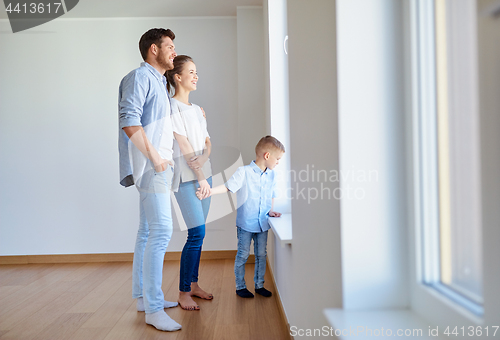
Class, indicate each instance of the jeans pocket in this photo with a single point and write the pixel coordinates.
(162, 172)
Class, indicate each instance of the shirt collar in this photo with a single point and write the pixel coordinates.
(155, 72)
(256, 168)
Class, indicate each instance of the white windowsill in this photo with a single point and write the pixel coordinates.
(282, 228)
(393, 319)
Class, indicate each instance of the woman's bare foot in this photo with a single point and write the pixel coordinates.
(186, 301)
(198, 292)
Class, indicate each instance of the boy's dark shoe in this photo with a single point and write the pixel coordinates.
(264, 292)
(244, 293)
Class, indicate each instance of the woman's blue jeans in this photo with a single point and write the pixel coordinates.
(195, 214)
(260, 251)
(155, 230)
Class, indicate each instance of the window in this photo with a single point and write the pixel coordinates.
(278, 90)
(446, 119)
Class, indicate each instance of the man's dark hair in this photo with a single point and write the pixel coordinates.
(153, 36)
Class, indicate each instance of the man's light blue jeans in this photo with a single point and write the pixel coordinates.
(260, 251)
(155, 230)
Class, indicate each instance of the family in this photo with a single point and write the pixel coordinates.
(164, 145)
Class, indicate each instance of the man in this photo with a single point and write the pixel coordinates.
(145, 145)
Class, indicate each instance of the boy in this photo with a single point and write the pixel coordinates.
(254, 187)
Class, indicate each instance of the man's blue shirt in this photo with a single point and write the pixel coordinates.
(254, 190)
(142, 101)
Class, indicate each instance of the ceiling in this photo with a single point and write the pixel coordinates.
(153, 8)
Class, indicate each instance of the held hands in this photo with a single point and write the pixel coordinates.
(274, 214)
(204, 190)
(198, 194)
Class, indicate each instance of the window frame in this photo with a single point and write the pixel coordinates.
(437, 301)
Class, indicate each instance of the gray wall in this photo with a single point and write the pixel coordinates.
(489, 102)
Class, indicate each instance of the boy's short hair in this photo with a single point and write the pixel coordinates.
(267, 144)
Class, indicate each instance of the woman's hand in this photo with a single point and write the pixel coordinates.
(204, 190)
(196, 162)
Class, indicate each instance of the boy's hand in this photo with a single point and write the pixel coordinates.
(200, 195)
(274, 214)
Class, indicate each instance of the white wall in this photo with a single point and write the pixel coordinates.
(371, 129)
(308, 273)
(58, 130)
(251, 79)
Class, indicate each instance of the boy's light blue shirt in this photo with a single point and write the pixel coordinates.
(254, 190)
(142, 101)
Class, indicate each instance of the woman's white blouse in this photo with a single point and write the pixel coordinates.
(188, 121)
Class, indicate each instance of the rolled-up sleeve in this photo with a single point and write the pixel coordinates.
(133, 91)
(236, 181)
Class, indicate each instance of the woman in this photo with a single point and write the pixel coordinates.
(192, 149)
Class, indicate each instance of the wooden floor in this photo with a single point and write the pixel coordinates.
(93, 301)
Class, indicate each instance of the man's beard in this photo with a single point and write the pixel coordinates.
(163, 62)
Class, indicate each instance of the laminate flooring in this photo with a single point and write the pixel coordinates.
(93, 301)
